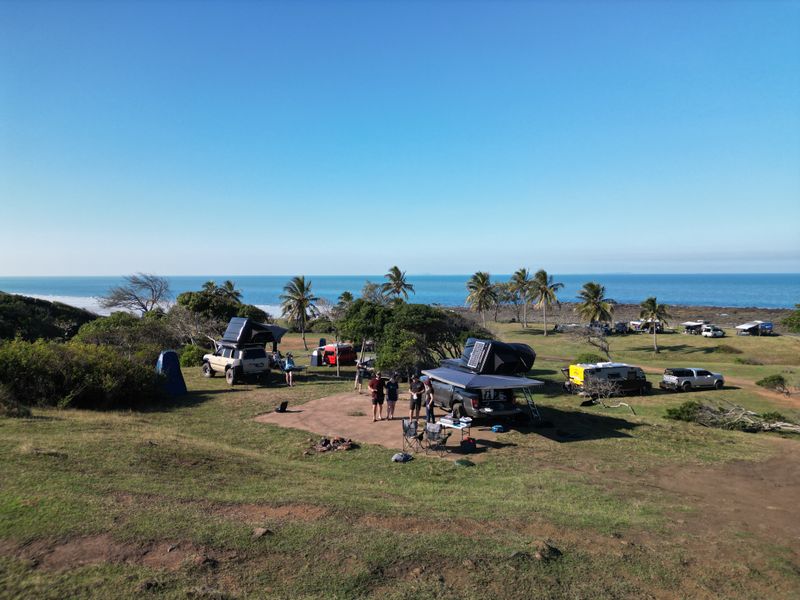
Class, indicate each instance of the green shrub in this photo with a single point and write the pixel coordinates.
(588, 357)
(774, 416)
(727, 349)
(74, 374)
(192, 356)
(773, 382)
(747, 361)
(685, 412)
(9, 407)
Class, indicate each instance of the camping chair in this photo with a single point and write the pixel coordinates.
(412, 438)
(435, 438)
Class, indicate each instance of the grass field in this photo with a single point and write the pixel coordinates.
(164, 503)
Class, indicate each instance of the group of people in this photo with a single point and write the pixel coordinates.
(421, 392)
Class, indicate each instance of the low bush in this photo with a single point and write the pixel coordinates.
(192, 356)
(774, 416)
(685, 412)
(588, 357)
(9, 407)
(773, 382)
(727, 349)
(747, 361)
(45, 373)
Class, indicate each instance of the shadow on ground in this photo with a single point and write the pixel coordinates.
(577, 426)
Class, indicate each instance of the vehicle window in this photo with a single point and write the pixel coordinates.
(702, 373)
(227, 352)
(254, 353)
(614, 376)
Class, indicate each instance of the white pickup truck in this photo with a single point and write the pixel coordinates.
(684, 380)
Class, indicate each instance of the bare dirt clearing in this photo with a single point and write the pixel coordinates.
(349, 415)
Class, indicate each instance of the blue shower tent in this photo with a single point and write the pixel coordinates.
(170, 368)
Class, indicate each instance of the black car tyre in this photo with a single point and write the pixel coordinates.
(686, 386)
(718, 385)
(458, 410)
(230, 376)
(207, 370)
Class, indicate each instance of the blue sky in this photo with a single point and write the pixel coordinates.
(445, 137)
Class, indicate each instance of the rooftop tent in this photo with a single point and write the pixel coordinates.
(496, 358)
(242, 331)
(465, 379)
(170, 368)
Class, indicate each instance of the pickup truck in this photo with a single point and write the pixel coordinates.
(684, 380)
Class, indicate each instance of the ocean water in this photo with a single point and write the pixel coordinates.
(735, 290)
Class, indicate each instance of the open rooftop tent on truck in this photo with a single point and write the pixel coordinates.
(242, 331)
(493, 357)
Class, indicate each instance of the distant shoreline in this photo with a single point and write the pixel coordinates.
(726, 316)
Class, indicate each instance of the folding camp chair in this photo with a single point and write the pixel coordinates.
(435, 439)
(412, 438)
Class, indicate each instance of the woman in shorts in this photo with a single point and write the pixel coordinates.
(288, 369)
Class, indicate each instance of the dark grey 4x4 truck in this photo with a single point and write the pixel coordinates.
(485, 381)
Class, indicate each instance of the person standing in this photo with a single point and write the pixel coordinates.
(392, 389)
(376, 387)
(428, 400)
(417, 389)
(288, 369)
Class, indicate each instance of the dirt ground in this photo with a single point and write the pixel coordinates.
(349, 415)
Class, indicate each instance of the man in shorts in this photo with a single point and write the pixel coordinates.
(376, 388)
(417, 389)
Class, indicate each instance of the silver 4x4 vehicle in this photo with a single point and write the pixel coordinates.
(237, 363)
(684, 380)
(241, 354)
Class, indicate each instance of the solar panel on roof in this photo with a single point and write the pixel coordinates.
(476, 357)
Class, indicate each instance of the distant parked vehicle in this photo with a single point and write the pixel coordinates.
(685, 380)
(694, 327)
(712, 331)
(755, 328)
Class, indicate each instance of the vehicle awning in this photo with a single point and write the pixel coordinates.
(481, 382)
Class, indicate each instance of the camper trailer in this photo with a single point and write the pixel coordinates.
(626, 378)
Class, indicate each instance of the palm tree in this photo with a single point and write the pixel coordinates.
(482, 294)
(210, 286)
(594, 305)
(543, 290)
(228, 290)
(653, 312)
(521, 285)
(345, 299)
(297, 303)
(397, 283)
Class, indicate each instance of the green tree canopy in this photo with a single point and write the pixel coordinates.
(593, 305)
(396, 284)
(653, 311)
(544, 293)
(482, 294)
(298, 303)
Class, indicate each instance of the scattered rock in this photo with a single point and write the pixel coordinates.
(417, 571)
(260, 532)
(468, 563)
(205, 561)
(546, 551)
